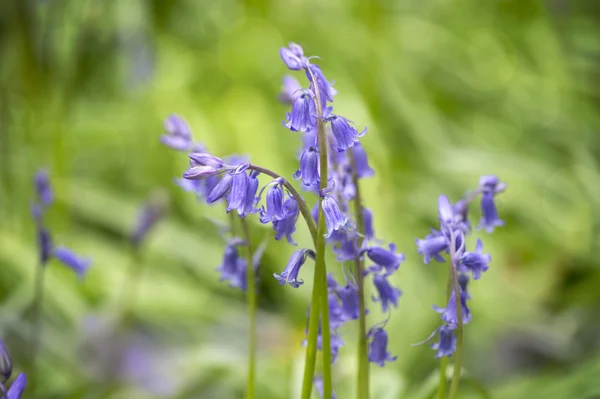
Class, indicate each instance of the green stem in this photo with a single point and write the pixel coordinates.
(36, 324)
(459, 329)
(444, 360)
(250, 391)
(363, 359)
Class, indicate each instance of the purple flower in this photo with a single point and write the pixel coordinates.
(17, 387)
(491, 183)
(345, 135)
(386, 259)
(206, 159)
(346, 249)
(489, 218)
(326, 91)
(475, 262)
(250, 197)
(44, 244)
(448, 314)
(287, 226)
(179, 136)
(6, 364)
(148, 216)
(378, 352)
(362, 164)
(318, 382)
(290, 274)
(387, 294)
(446, 211)
(72, 260)
(302, 118)
(220, 189)
(233, 268)
(432, 246)
(350, 302)
(43, 189)
(368, 224)
(309, 167)
(334, 218)
(293, 58)
(274, 210)
(237, 193)
(290, 91)
(447, 342)
(336, 313)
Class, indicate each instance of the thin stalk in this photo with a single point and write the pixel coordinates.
(36, 324)
(250, 391)
(459, 329)
(363, 359)
(444, 360)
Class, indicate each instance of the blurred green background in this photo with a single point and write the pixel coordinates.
(450, 90)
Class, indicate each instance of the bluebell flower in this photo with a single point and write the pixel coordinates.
(202, 188)
(248, 206)
(309, 167)
(334, 218)
(233, 266)
(79, 265)
(432, 246)
(147, 218)
(461, 211)
(303, 115)
(489, 218)
(345, 249)
(388, 295)
(290, 274)
(18, 386)
(237, 193)
(475, 262)
(491, 183)
(293, 57)
(6, 364)
(287, 226)
(290, 91)
(43, 188)
(350, 302)
(326, 90)
(447, 342)
(448, 314)
(378, 352)
(386, 259)
(363, 169)
(221, 189)
(368, 223)
(274, 209)
(206, 159)
(318, 383)
(179, 135)
(346, 136)
(331, 282)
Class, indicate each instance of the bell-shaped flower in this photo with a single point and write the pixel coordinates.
(385, 259)
(309, 167)
(475, 262)
(274, 209)
(346, 136)
(378, 352)
(221, 189)
(388, 295)
(290, 273)
(302, 118)
(449, 313)
(287, 226)
(334, 218)
(238, 191)
(363, 169)
(69, 258)
(350, 301)
(326, 90)
(447, 342)
(489, 217)
(432, 246)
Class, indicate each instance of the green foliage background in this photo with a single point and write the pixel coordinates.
(450, 90)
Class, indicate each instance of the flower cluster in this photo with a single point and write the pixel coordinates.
(47, 250)
(347, 162)
(6, 367)
(450, 240)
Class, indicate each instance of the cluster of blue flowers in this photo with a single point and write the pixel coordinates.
(6, 368)
(46, 249)
(450, 239)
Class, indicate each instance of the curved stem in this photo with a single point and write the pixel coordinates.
(459, 329)
(36, 324)
(250, 275)
(363, 359)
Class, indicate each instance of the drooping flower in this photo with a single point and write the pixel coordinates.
(388, 295)
(179, 135)
(290, 274)
(368, 224)
(336, 313)
(432, 246)
(378, 352)
(449, 314)
(346, 136)
(386, 259)
(250, 198)
(446, 211)
(475, 262)
(309, 167)
(238, 191)
(302, 118)
(43, 188)
(345, 249)
(18, 386)
(335, 342)
(69, 258)
(290, 91)
(274, 209)
(334, 218)
(233, 267)
(447, 342)
(287, 226)
(348, 295)
(221, 189)
(363, 169)
(6, 364)
(489, 217)
(293, 57)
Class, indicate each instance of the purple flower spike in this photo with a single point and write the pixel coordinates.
(432, 246)
(387, 259)
(290, 273)
(179, 135)
(237, 194)
(72, 260)
(447, 342)
(287, 226)
(43, 189)
(17, 387)
(489, 218)
(334, 218)
(274, 209)
(309, 167)
(350, 301)
(221, 189)
(388, 295)
(345, 135)
(448, 314)
(6, 364)
(363, 169)
(378, 352)
(290, 91)
(302, 118)
(475, 262)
